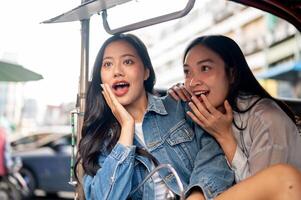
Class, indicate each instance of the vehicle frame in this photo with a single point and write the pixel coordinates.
(289, 10)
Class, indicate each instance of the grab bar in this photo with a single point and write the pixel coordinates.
(173, 171)
(148, 22)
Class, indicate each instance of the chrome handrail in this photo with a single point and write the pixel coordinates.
(169, 195)
(72, 180)
(147, 22)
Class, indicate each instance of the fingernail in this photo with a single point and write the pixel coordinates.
(102, 85)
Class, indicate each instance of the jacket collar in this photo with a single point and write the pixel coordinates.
(155, 104)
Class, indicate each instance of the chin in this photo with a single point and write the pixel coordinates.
(124, 100)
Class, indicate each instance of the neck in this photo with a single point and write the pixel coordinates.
(138, 109)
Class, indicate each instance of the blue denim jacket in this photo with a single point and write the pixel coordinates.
(171, 138)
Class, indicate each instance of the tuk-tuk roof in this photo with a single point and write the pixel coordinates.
(85, 10)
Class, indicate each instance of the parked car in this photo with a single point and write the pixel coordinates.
(46, 161)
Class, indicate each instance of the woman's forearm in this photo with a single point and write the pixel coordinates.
(196, 195)
(228, 144)
(127, 135)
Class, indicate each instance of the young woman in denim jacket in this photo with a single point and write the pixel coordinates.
(123, 119)
(258, 133)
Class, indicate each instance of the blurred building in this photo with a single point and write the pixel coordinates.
(28, 121)
(56, 115)
(271, 45)
(11, 101)
(30, 109)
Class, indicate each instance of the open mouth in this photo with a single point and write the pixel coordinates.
(199, 93)
(120, 88)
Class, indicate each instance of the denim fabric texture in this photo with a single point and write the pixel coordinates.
(172, 138)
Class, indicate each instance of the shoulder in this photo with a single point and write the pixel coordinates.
(261, 108)
(172, 105)
(268, 109)
(267, 116)
(167, 99)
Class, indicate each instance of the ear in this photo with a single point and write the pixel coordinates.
(146, 74)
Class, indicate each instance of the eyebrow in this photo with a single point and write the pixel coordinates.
(124, 55)
(131, 55)
(200, 62)
(205, 60)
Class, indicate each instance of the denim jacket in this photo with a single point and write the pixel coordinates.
(171, 138)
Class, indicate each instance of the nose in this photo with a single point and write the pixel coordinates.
(194, 82)
(118, 70)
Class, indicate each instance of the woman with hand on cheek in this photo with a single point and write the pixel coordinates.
(127, 131)
(254, 129)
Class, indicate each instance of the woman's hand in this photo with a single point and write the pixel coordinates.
(125, 120)
(216, 123)
(179, 92)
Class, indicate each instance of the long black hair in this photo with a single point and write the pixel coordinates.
(244, 82)
(101, 130)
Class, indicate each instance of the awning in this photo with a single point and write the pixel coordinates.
(286, 72)
(10, 72)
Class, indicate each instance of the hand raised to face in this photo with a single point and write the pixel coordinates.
(121, 114)
(215, 122)
(179, 92)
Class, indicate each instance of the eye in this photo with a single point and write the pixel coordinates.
(205, 68)
(107, 64)
(128, 62)
(186, 72)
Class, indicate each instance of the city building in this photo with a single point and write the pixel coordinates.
(272, 46)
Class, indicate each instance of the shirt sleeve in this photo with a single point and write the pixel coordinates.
(270, 129)
(211, 172)
(113, 180)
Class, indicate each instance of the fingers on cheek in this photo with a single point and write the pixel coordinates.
(197, 103)
(172, 93)
(107, 99)
(195, 119)
(193, 107)
(104, 95)
(197, 115)
(187, 94)
(180, 93)
(197, 109)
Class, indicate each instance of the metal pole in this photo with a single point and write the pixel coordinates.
(84, 69)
